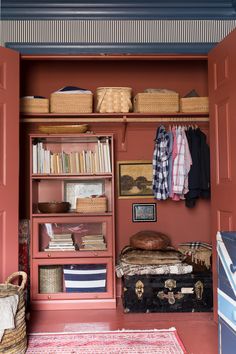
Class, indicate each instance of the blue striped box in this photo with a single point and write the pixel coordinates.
(85, 278)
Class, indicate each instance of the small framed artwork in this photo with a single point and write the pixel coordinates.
(135, 179)
(144, 212)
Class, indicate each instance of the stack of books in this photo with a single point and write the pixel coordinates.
(92, 242)
(61, 242)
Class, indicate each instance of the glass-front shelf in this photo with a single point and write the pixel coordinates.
(81, 238)
(65, 278)
(73, 278)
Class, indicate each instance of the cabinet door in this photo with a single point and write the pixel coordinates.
(9, 162)
(222, 78)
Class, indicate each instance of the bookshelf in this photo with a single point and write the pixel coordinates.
(74, 249)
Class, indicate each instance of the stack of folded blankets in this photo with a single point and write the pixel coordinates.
(150, 253)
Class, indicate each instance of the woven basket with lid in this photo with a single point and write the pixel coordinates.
(14, 341)
(114, 99)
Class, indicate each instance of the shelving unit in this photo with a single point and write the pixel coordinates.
(51, 256)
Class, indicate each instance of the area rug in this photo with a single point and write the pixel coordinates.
(112, 342)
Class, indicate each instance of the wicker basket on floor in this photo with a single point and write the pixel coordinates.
(14, 341)
(91, 205)
(114, 99)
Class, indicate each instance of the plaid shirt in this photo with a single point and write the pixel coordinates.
(160, 164)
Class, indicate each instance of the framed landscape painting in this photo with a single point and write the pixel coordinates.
(135, 179)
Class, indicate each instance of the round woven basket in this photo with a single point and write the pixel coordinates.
(14, 341)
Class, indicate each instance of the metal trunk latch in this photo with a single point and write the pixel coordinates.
(198, 289)
(139, 289)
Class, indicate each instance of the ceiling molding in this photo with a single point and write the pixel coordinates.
(111, 48)
(123, 9)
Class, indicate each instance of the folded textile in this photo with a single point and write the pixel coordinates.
(123, 268)
(8, 307)
(200, 252)
(73, 89)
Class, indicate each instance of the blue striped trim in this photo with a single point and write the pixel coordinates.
(227, 270)
(111, 9)
(111, 48)
(85, 267)
(88, 277)
(86, 290)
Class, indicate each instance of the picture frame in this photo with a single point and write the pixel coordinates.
(81, 189)
(144, 212)
(134, 179)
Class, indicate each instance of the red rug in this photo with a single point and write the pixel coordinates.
(114, 342)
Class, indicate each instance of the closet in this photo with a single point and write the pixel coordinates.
(134, 133)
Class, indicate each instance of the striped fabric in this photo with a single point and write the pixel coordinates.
(85, 278)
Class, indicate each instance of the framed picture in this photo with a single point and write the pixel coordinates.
(135, 179)
(75, 189)
(144, 212)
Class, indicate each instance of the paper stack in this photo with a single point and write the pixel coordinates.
(61, 242)
(92, 242)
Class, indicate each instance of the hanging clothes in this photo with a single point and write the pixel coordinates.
(181, 165)
(160, 164)
(199, 174)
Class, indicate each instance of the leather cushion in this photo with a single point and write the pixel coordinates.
(149, 240)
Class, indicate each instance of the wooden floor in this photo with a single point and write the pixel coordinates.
(198, 331)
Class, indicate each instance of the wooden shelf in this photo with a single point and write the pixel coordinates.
(114, 117)
(70, 176)
(72, 214)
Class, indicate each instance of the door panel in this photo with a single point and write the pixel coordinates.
(9, 161)
(222, 95)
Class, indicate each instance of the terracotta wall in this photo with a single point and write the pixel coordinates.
(173, 218)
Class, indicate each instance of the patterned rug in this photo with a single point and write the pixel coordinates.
(114, 342)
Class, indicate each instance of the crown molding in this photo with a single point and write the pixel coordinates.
(123, 9)
(110, 48)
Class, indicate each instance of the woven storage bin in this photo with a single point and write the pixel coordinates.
(50, 279)
(14, 341)
(114, 99)
(91, 205)
(194, 104)
(34, 105)
(71, 102)
(156, 102)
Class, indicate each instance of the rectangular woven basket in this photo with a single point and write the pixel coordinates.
(34, 105)
(158, 102)
(91, 205)
(194, 104)
(71, 103)
(113, 99)
(50, 279)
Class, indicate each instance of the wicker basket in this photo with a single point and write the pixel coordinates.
(114, 99)
(91, 205)
(194, 104)
(34, 105)
(50, 279)
(157, 102)
(14, 341)
(71, 102)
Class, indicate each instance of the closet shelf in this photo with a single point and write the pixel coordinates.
(114, 117)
